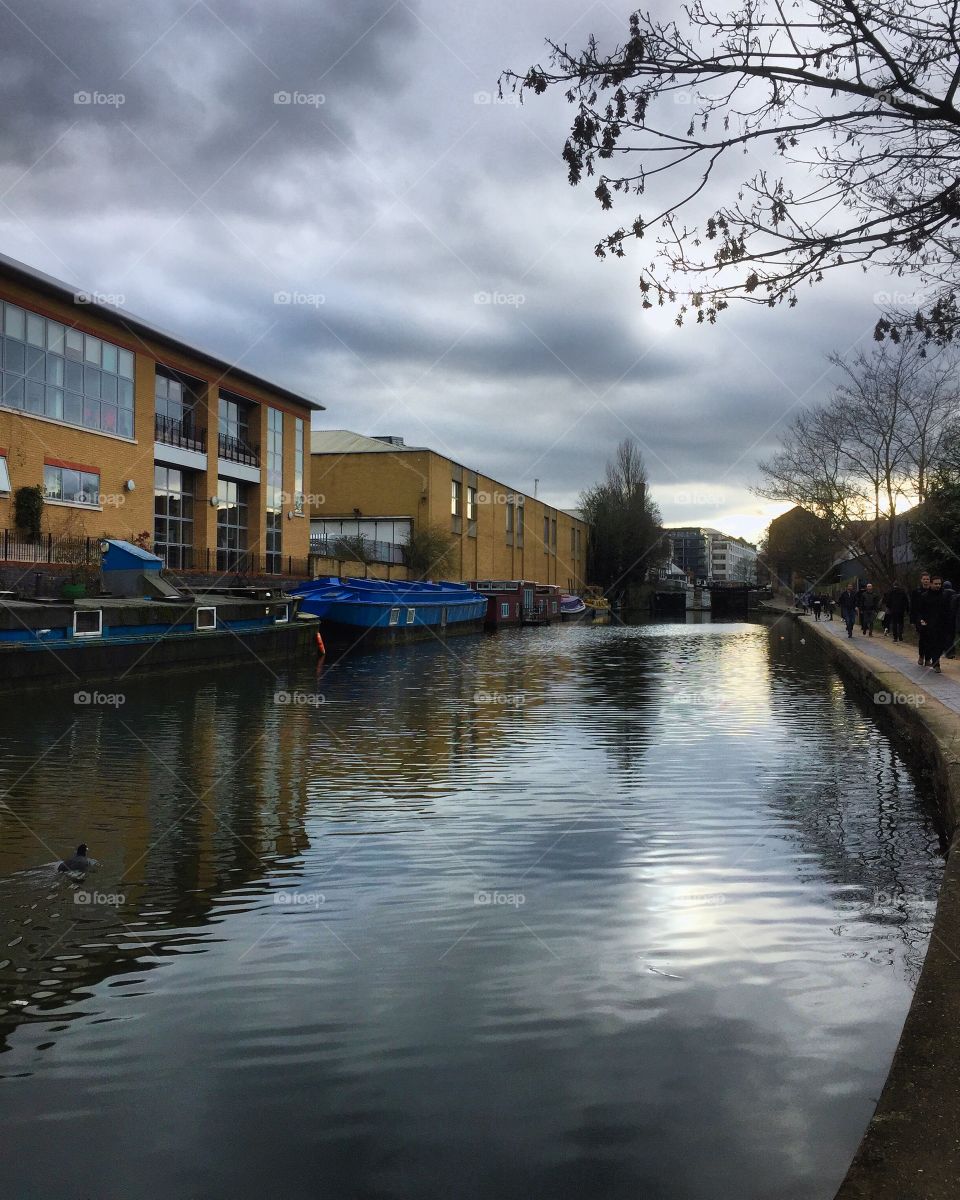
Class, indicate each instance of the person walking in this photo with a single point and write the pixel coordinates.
(950, 632)
(829, 604)
(817, 604)
(868, 603)
(848, 608)
(932, 624)
(897, 604)
(915, 597)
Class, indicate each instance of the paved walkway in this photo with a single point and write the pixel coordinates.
(902, 656)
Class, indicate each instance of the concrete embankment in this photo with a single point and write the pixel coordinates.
(911, 1148)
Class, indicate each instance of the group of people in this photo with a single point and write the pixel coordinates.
(815, 603)
(933, 608)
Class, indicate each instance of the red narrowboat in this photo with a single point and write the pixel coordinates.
(518, 601)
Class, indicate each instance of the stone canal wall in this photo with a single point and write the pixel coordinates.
(911, 1148)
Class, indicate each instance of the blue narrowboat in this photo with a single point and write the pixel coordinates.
(382, 610)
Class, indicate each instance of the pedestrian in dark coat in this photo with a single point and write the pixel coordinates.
(848, 608)
(897, 604)
(915, 596)
(817, 605)
(868, 602)
(950, 633)
(933, 620)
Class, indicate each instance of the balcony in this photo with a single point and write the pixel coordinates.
(182, 434)
(238, 451)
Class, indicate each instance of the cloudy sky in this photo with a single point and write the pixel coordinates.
(207, 159)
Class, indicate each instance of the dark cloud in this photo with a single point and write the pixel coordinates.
(456, 297)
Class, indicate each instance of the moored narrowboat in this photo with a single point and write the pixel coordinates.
(374, 611)
(518, 601)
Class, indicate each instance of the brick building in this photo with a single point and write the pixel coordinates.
(381, 489)
(129, 430)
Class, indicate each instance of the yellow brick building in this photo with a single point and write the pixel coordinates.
(381, 489)
(131, 431)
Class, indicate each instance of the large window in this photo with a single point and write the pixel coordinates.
(274, 490)
(471, 503)
(233, 418)
(173, 516)
(4, 476)
(231, 524)
(71, 486)
(298, 467)
(456, 494)
(54, 370)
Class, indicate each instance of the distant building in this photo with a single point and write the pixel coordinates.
(704, 553)
(380, 489)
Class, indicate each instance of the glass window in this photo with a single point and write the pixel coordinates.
(471, 503)
(35, 329)
(298, 466)
(173, 498)
(4, 475)
(53, 403)
(13, 391)
(14, 356)
(509, 518)
(55, 369)
(14, 321)
(36, 366)
(64, 483)
(91, 350)
(231, 524)
(125, 363)
(55, 333)
(33, 397)
(455, 500)
(109, 357)
(74, 343)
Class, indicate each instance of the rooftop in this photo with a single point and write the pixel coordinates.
(138, 326)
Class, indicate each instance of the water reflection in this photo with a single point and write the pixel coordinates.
(511, 917)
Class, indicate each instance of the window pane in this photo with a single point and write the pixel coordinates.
(74, 343)
(35, 329)
(72, 408)
(72, 375)
(55, 369)
(91, 382)
(14, 321)
(36, 367)
(71, 483)
(126, 393)
(91, 350)
(125, 423)
(91, 487)
(14, 356)
(13, 391)
(125, 364)
(51, 483)
(34, 402)
(55, 336)
(108, 418)
(108, 388)
(54, 406)
(91, 413)
(109, 357)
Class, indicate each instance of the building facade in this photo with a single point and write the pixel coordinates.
(703, 553)
(381, 489)
(132, 433)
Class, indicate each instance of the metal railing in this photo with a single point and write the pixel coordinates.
(347, 547)
(237, 450)
(77, 550)
(179, 433)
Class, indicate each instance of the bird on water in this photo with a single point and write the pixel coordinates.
(78, 861)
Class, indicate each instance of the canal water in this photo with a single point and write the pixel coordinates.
(587, 912)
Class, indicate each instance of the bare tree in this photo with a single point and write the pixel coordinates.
(852, 109)
(862, 459)
(625, 535)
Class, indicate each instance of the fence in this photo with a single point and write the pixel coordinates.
(355, 548)
(49, 548)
